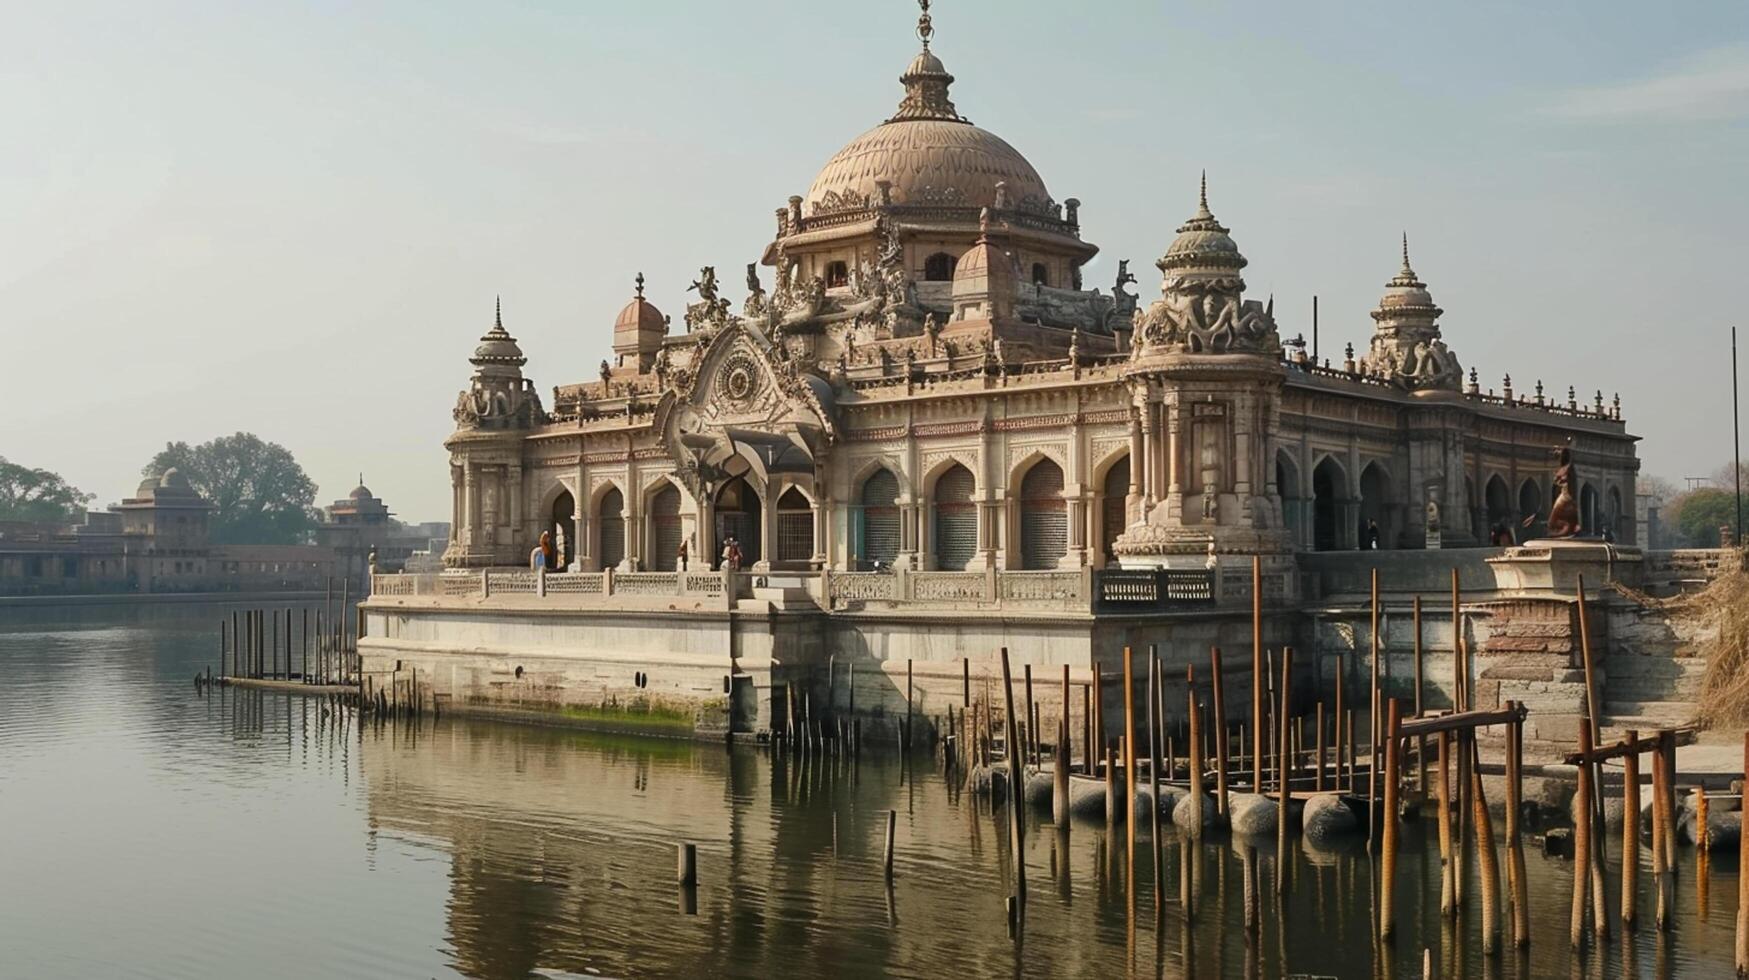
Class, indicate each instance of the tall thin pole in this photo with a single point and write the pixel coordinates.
(1736, 439)
(1257, 678)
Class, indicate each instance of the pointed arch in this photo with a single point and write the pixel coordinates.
(954, 517)
(875, 525)
(663, 502)
(1377, 505)
(1113, 480)
(1293, 501)
(610, 509)
(1330, 530)
(1532, 508)
(1044, 515)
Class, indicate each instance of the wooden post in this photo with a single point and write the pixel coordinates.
(1487, 863)
(1447, 871)
(1100, 740)
(1420, 684)
(1281, 814)
(1220, 698)
(1129, 753)
(1338, 722)
(1669, 741)
(1388, 844)
(1257, 677)
(1031, 716)
(1111, 802)
(1743, 882)
(908, 700)
(1194, 832)
(1662, 832)
(892, 822)
(1594, 721)
(1016, 791)
(1630, 828)
(1514, 833)
(1349, 788)
(1582, 842)
(1087, 748)
(1373, 722)
(686, 869)
(1323, 756)
(1154, 721)
(1060, 774)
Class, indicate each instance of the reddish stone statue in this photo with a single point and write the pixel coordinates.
(1564, 515)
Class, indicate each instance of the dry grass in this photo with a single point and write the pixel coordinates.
(1723, 606)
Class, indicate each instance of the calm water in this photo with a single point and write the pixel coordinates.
(148, 831)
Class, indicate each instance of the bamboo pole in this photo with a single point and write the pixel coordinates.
(1154, 780)
(1662, 831)
(1257, 678)
(1016, 794)
(1420, 685)
(1594, 720)
(1220, 732)
(1514, 833)
(1582, 844)
(1388, 845)
(1338, 722)
(1487, 862)
(1743, 882)
(1630, 828)
(1195, 752)
(1461, 769)
(1373, 721)
(1281, 811)
(1031, 713)
(1129, 754)
(1323, 757)
(1447, 870)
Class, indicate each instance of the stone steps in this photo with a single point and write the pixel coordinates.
(1654, 678)
(1644, 716)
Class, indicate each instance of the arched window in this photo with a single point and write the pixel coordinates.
(1588, 509)
(738, 517)
(795, 527)
(1040, 277)
(1530, 507)
(665, 530)
(837, 274)
(1375, 509)
(880, 519)
(938, 267)
(1113, 513)
(956, 520)
(1499, 504)
(1329, 497)
(560, 525)
(1044, 519)
(1287, 485)
(1612, 516)
(613, 528)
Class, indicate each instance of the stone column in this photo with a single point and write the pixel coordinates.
(1138, 458)
(1150, 450)
(514, 478)
(470, 530)
(767, 529)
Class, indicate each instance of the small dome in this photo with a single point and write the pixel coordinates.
(360, 492)
(639, 315)
(926, 63)
(497, 346)
(1406, 292)
(147, 485)
(173, 478)
(928, 161)
(1203, 245)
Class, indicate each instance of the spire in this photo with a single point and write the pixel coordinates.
(1202, 198)
(640, 282)
(1406, 275)
(926, 80)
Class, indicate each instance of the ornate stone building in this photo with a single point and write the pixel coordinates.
(918, 377)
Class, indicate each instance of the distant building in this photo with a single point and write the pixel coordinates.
(362, 523)
(155, 541)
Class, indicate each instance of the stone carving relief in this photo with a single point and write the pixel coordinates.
(1201, 316)
(1426, 364)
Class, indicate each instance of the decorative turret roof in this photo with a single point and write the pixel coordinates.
(638, 316)
(1203, 248)
(1406, 296)
(497, 347)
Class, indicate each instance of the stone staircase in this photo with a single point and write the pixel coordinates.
(1648, 692)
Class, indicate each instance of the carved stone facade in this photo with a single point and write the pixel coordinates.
(926, 384)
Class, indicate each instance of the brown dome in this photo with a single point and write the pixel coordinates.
(927, 161)
(639, 314)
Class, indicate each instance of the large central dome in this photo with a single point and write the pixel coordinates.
(927, 161)
(927, 153)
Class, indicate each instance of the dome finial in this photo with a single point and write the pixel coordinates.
(1202, 193)
(1406, 254)
(497, 317)
(925, 26)
(640, 284)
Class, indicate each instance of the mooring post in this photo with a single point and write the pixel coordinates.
(1630, 827)
(1111, 801)
(1388, 845)
(1154, 680)
(1664, 838)
(1258, 729)
(1514, 832)
(910, 696)
(1420, 740)
(892, 822)
(1129, 754)
(1337, 721)
(1060, 774)
(1281, 813)
(1218, 694)
(1670, 802)
(687, 866)
(1016, 791)
(1460, 771)
(1194, 752)
(1374, 723)
(1447, 871)
(1743, 881)
(1031, 717)
(222, 650)
(1487, 862)
(1582, 842)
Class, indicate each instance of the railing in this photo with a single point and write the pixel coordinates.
(1150, 589)
(522, 582)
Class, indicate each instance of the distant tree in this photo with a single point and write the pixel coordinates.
(259, 493)
(1698, 515)
(38, 495)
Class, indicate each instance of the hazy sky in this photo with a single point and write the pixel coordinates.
(292, 218)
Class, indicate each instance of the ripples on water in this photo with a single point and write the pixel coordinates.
(146, 830)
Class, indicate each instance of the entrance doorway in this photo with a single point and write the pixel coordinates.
(737, 517)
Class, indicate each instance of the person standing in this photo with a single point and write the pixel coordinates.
(1372, 535)
(681, 554)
